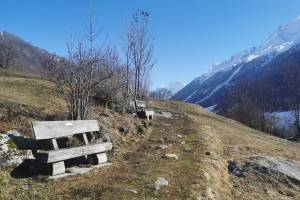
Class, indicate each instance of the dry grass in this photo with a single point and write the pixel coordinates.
(24, 98)
(208, 141)
(30, 91)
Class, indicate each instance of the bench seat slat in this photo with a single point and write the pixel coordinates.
(73, 152)
(56, 129)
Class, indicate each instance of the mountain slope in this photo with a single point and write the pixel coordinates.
(22, 55)
(174, 87)
(205, 145)
(210, 88)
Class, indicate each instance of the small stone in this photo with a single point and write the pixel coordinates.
(180, 136)
(187, 149)
(161, 140)
(124, 130)
(162, 146)
(131, 190)
(183, 142)
(160, 182)
(25, 187)
(169, 155)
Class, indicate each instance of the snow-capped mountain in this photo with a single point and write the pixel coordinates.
(210, 88)
(174, 87)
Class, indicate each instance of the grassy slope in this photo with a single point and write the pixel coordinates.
(208, 141)
(25, 97)
(28, 90)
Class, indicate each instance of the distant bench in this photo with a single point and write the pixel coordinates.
(140, 107)
(53, 130)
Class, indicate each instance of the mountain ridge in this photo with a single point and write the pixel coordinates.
(21, 55)
(209, 88)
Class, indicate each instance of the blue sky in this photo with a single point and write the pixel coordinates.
(189, 35)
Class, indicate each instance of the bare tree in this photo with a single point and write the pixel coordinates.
(139, 50)
(291, 75)
(78, 76)
(111, 90)
(161, 93)
(248, 102)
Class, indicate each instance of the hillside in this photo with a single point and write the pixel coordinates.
(17, 54)
(203, 142)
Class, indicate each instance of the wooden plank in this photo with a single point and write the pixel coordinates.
(101, 158)
(54, 144)
(149, 114)
(56, 129)
(64, 154)
(140, 104)
(73, 171)
(85, 139)
(58, 168)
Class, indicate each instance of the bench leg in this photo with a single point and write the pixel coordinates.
(58, 168)
(99, 158)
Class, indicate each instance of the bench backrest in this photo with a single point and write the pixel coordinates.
(140, 105)
(56, 129)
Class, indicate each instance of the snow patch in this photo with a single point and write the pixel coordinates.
(224, 83)
(191, 95)
(211, 108)
(175, 86)
(251, 57)
(201, 100)
(280, 40)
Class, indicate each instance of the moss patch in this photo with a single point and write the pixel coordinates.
(11, 144)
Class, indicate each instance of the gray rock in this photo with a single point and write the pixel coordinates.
(234, 169)
(12, 149)
(274, 166)
(124, 130)
(170, 155)
(160, 182)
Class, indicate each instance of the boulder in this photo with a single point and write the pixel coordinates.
(275, 166)
(13, 148)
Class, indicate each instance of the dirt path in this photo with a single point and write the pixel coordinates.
(203, 143)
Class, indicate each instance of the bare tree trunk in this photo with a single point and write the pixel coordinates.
(140, 47)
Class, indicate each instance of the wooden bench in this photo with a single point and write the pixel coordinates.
(51, 131)
(140, 107)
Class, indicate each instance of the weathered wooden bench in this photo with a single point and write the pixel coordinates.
(140, 107)
(53, 130)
